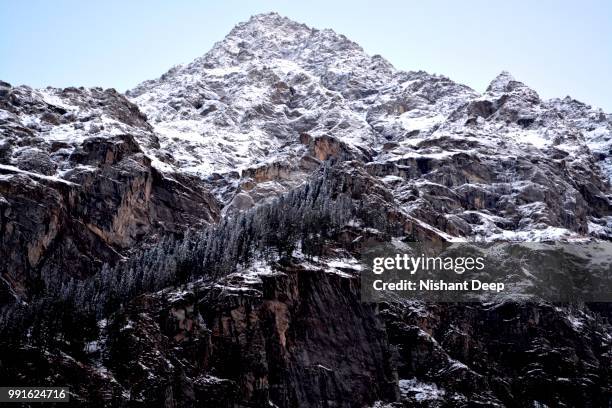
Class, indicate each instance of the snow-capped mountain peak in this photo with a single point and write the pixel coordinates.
(504, 82)
(275, 98)
(268, 81)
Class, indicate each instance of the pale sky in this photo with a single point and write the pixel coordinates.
(556, 47)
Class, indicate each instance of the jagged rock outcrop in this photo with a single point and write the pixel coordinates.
(77, 190)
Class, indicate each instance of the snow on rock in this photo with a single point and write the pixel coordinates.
(420, 391)
(275, 98)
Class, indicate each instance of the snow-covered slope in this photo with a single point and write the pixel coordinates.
(272, 78)
(250, 100)
(267, 104)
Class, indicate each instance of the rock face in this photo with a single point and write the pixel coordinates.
(508, 354)
(91, 177)
(77, 190)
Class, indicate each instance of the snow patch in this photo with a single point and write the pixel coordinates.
(420, 391)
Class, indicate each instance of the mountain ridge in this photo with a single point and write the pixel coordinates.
(275, 97)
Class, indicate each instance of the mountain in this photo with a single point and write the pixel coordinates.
(153, 215)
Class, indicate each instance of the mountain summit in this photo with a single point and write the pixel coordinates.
(275, 99)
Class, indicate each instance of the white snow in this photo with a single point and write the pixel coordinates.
(36, 176)
(536, 235)
(420, 391)
(222, 71)
(410, 122)
(346, 267)
(533, 137)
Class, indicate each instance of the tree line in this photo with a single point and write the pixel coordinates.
(303, 217)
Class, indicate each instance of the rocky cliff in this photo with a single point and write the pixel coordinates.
(288, 149)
